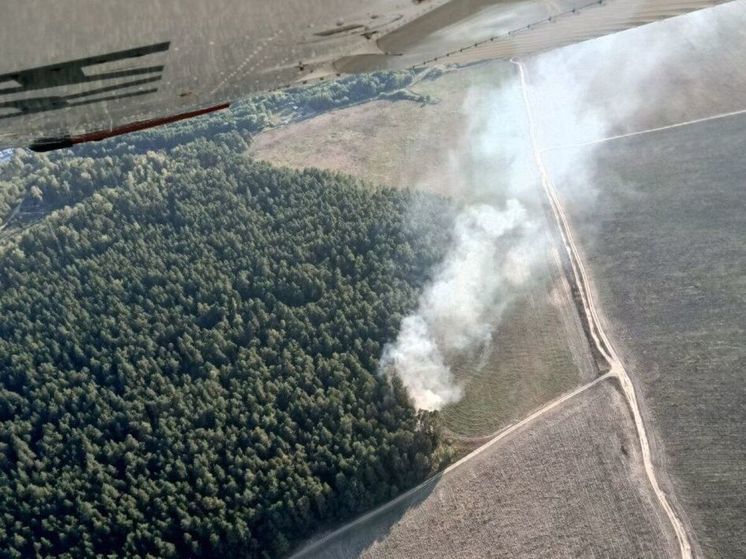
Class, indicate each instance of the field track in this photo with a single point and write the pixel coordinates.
(646, 131)
(504, 433)
(598, 335)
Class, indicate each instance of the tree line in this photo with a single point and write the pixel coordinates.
(189, 349)
(244, 119)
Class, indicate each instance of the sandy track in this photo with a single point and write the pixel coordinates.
(568, 484)
(315, 545)
(599, 337)
(642, 132)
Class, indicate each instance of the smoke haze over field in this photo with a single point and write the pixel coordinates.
(491, 255)
(497, 243)
(579, 94)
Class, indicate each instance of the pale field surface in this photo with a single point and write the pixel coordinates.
(666, 245)
(661, 219)
(569, 484)
(400, 144)
(538, 349)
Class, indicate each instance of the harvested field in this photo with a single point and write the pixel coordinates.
(538, 350)
(568, 484)
(665, 242)
(667, 255)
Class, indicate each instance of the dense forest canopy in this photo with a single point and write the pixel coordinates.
(244, 118)
(189, 345)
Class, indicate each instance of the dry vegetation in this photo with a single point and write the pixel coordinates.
(538, 351)
(408, 145)
(666, 248)
(569, 484)
(398, 143)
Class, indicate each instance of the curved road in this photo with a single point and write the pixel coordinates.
(599, 337)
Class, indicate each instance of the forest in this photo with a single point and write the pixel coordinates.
(64, 177)
(189, 346)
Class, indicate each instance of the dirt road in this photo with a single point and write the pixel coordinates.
(599, 337)
(315, 545)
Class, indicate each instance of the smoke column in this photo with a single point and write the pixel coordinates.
(496, 243)
(458, 310)
(581, 93)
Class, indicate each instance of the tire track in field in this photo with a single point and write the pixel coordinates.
(646, 131)
(598, 335)
(315, 545)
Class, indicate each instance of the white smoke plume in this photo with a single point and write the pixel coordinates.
(579, 94)
(496, 244)
(458, 310)
(651, 76)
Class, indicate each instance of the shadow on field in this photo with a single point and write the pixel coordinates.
(356, 537)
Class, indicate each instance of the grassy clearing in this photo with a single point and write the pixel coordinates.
(391, 143)
(403, 144)
(569, 484)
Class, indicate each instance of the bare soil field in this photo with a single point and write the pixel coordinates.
(666, 244)
(568, 484)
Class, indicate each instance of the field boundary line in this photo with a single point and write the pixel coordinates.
(598, 335)
(430, 481)
(646, 131)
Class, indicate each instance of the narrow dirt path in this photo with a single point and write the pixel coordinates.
(313, 546)
(646, 131)
(599, 337)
